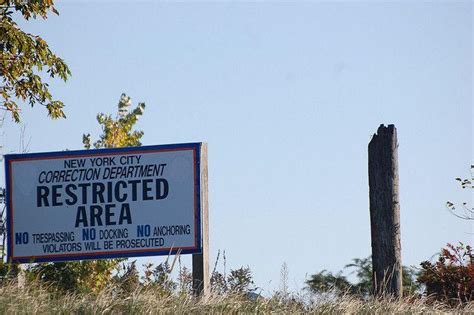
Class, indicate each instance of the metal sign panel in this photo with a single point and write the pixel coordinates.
(104, 203)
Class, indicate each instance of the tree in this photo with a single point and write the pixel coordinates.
(362, 268)
(240, 281)
(25, 57)
(95, 275)
(324, 281)
(117, 132)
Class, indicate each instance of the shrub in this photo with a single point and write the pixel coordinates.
(75, 276)
(451, 278)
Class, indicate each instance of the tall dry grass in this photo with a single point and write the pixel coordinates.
(34, 299)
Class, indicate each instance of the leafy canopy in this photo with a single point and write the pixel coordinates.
(117, 132)
(24, 57)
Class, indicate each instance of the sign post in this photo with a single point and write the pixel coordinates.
(109, 203)
(201, 278)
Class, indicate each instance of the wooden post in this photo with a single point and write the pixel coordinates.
(385, 212)
(201, 279)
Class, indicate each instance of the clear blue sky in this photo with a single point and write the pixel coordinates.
(287, 95)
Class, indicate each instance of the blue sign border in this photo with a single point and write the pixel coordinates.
(196, 146)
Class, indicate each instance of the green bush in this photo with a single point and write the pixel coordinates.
(75, 276)
(324, 281)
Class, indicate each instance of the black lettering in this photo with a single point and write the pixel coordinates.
(125, 214)
(41, 180)
(84, 191)
(134, 188)
(109, 191)
(162, 193)
(96, 212)
(98, 192)
(146, 189)
(56, 195)
(81, 216)
(120, 197)
(42, 193)
(109, 214)
(72, 195)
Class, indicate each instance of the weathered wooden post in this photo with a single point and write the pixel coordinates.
(385, 212)
(201, 279)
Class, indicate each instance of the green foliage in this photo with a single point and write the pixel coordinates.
(76, 276)
(451, 278)
(117, 132)
(239, 281)
(325, 281)
(8, 271)
(362, 268)
(218, 283)
(24, 57)
(157, 278)
(127, 277)
(162, 278)
(409, 281)
(338, 284)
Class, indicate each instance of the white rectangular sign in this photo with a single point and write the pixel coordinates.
(105, 203)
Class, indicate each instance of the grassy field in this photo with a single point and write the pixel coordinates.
(33, 299)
